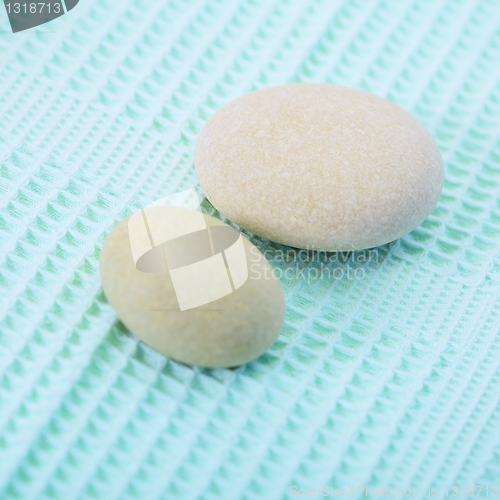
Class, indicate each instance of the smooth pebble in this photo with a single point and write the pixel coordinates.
(225, 332)
(319, 166)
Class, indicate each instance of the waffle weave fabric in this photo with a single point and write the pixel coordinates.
(387, 378)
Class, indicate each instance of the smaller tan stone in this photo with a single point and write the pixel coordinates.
(319, 166)
(226, 332)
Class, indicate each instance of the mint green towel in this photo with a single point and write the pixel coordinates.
(390, 379)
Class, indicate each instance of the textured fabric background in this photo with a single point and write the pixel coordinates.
(392, 380)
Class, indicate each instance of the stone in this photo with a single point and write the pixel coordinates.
(319, 166)
(235, 328)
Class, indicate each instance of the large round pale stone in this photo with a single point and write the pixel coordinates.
(319, 166)
(226, 332)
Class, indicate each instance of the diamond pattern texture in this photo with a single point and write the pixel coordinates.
(390, 380)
